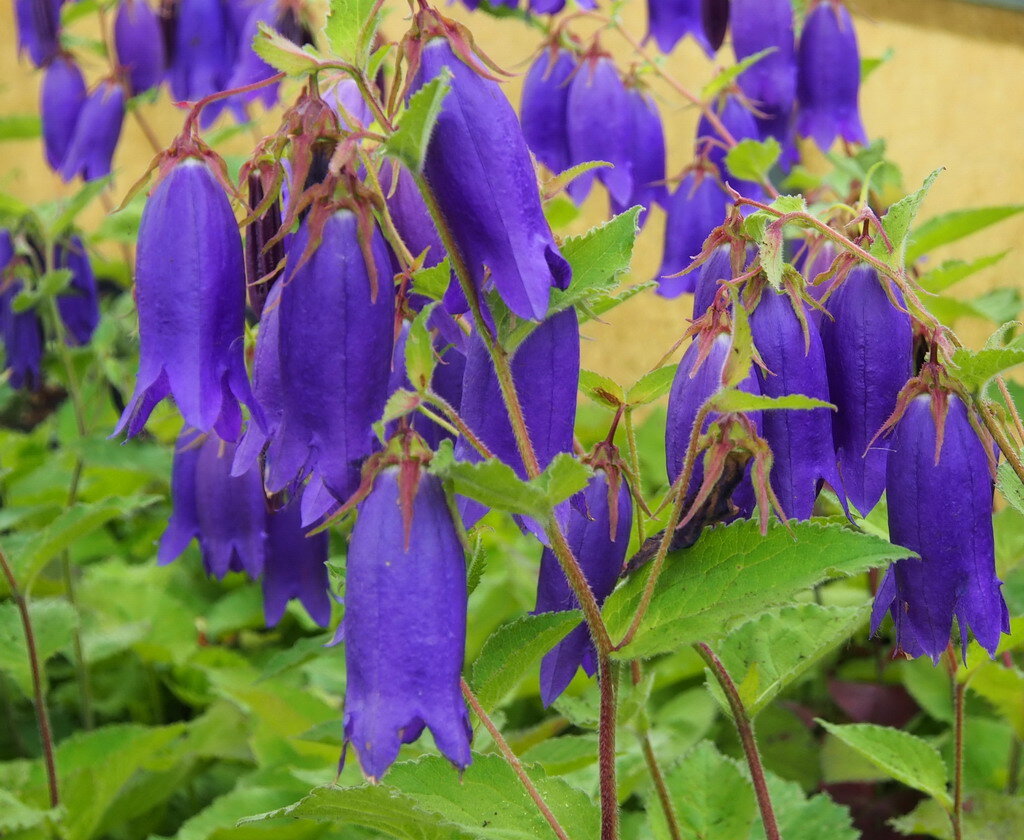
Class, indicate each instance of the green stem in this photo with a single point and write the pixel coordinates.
(634, 466)
(607, 682)
(1013, 766)
(1007, 448)
(959, 692)
(660, 787)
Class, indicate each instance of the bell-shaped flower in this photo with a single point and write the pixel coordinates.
(335, 340)
(715, 18)
(480, 170)
(647, 154)
(267, 386)
(78, 304)
(38, 25)
(202, 49)
(716, 268)
(828, 77)
(545, 106)
(600, 519)
(551, 7)
(190, 293)
(411, 217)
(295, 567)
(939, 493)
(22, 332)
(741, 125)
(96, 133)
(800, 440)
(226, 513)
(695, 209)
(669, 21)
(61, 98)
(868, 346)
(139, 42)
(405, 623)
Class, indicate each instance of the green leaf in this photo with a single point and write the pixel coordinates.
(350, 27)
(597, 258)
(1003, 687)
(601, 389)
(419, 351)
(975, 369)
(68, 211)
(432, 282)
(904, 757)
(409, 142)
(514, 649)
(800, 818)
(563, 477)
(870, 65)
(16, 816)
(52, 283)
(767, 655)
(735, 400)
(282, 54)
(651, 386)
(729, 74)
(950, 227)
(1010, 485)
(897, 223)
(20, 126)
(953, 271)
(53, 621)
(752, 160)
(733, 574)
(991, 816)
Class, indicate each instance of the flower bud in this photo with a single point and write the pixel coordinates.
(669, 21)
(295, 567)
(715, 19)
(38, 24)
(78, 305)
(60, 102)
(695, 209)
(405, 624)
(139, 43)
(262, 260)
(940, 506)
(545, 106)
(96, 133)
(22, 332)
(771, 82)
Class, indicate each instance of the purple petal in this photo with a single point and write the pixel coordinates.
(544, 108)
(139, 42)
(695, 209)
(295, 567)
(96, 133)
(60, 102)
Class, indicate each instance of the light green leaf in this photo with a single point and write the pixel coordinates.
(20, 126)
(1003, 687)
(432, 282)
(870, 65)
(975, 369)
(651, 386)
(16, 816)
(802, 818)
(563, 477)
(409, 142)
(601, 389)
(897, 223)
(752, 160)
(991, 816)
(419, 351)
(953, 271)
(950, 227)
(904, 757)
(491, 483)
(735, 400)
(730, 74)
(53, 621)
(284, 55)
(1010, 485)
(514, 649)
(733, 574)
(597, 258)
(350, 27)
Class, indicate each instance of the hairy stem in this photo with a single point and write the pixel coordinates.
(959, 692)
(460, 425)
(1005, 446)
(745, 728)
(634, 466)
(607, 679)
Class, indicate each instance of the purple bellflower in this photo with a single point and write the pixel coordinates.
(939, 493)
(868, 346)
(715, 19)
(267, 387)
(553, 7)
(22, 332)
(190, 292)
(740, 123)
(695, 209)
(78, 304)
(202, 49)
(800, 440)
(295, 567)
(717, 267)
(647, 154)
(97, 131)
(669, 21)
(599, 542)
(405, 624)
(38, 25)
(139, 42)
(828, 77)
(60, 102)
(545, 106)
(411, 217)
(480, 169)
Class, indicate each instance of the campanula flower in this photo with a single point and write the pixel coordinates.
(669, 21)
(22, 332)
(868, 346)
(295, 567)
(411, 217)
(267, 386)
(38, 24)
(202, 49)
(405, 624)
(940, 507)
(78, 304)
(139, 42)
(695, 209)
(715, 19)
(61, 98)
(96, 133)
(646, 152)
(480, 169)
(545, 106)
(740, 123)
(717, 267)
(263, 260)
(828, 77)
(190, 292)
(552, 7)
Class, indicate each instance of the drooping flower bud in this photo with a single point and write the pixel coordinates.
(405, 624)
(335, 342)
(646, 153)
(22, 332)
(262, 259)
(139, 42)
(190, 291)
(60, 102)
(669, 21)
(38, 23)
(202, 51)
(828, 77)
(295, 567)
(939, 494)
(545, 106)
(695, 209)
(78, 305)
(480, 169)
(740, 123)
(717, 267)
(800, 440)
(868, 346)
(600, 519)
(97, 131)
(715, 18)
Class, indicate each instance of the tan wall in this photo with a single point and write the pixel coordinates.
(949, 97)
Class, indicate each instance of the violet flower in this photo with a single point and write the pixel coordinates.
(404, 625)
(669, 21)
(190, 292)
(600, 547)
(295, 567)
(21, 332)
(868, 346)
(647, 154)
(202, 49)
(139, 42)
(717, 267)
(481, 173)
(696, 208)
(267, 386)
(715, 20)
(552, 7)
(78, 304)
(940, 506)
(38, 25)
(740, 123)
(96, 133)
(544, 107)
(61, 98)
(828, 77)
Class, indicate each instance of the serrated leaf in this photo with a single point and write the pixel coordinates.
(53, 622)
(975, 369)
(598, 257)
(1010, 485)
(651, 386)
(953, 271)
(733, 574)
(802, 818)
(419, 351)
(16, 816)
(904, 757)
(897, 223)
(562, 478)
(950, 227)
(350, 27)
(768, 654)
(432, 282)
(514, 649)
(282, 54)
(752, 160)
(734, 400)
(409, 142)
(491, 483)
(726, 77)
(601, 389)
(991, 816)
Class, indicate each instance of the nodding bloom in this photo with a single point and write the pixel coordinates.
(600, 128)
(202, 48)
(295, 567)
(267, 386)
(715, 18)
(335, 348)
(38, 24)
(226, 513)
(190, 293)
(97, 131)
(868, 345)
(695, 209)
(600, 519)
(545, 106)
(800, 440)
(405, 623)
(647, 154)
(939, 494)
(717, 267)
(78, 304)
(669, 21)
(61, 98)
(139, 42)
(262, 259)
(551, 7)
(740, 123)
(828, 77)
(22, 332)
(411, 217)
(480, 169)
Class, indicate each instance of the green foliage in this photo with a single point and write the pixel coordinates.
(350, 27)
(752, 160)
(897, 224)
(950, 227)
(409, 141)
(284, 55)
